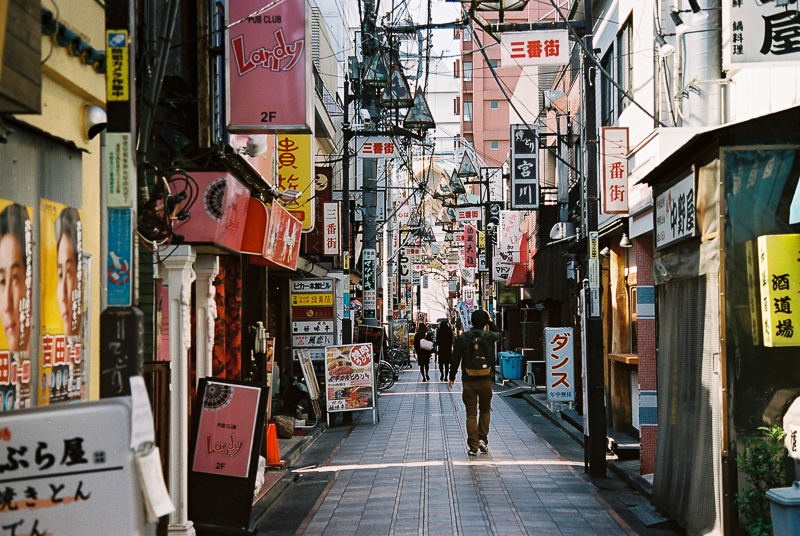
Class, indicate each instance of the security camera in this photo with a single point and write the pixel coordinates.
(365, 117)
(95, 121)
(256, 145)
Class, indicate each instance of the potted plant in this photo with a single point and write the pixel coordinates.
(763, 462)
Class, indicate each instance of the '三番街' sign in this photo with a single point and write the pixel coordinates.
(779, 280)
(541, 47)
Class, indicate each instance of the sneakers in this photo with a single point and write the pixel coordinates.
(472, 452)
(483, 446)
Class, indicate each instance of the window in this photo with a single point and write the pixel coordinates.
(494, 105)
(457, 69)
(457, 105)
(467, 110)
(494, 64)
(608, 93)
(467, 71)
(467, 33)
(624, 72)
(494, 145)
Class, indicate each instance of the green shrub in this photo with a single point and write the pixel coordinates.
(763, 461)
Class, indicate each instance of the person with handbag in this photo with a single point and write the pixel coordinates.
(423, 347)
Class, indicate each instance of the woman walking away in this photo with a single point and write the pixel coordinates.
(423, 346)
(444, 345)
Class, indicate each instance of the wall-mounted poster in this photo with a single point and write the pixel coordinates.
(16, 289)
(349, 377)
(62, 303)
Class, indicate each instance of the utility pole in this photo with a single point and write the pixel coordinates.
(347, 322)
(369, 47)
(596, 411)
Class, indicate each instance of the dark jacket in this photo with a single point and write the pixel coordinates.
(463, 341)
(423, 356)
(444, 343)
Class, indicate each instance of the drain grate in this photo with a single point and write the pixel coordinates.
(647, 514)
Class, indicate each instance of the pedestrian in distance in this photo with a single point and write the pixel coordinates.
(444, 347)
(423, 347)
(474, 351)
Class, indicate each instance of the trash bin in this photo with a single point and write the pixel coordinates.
(511, 365)
(784, 507)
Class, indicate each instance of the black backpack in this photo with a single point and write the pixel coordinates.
(478, 360)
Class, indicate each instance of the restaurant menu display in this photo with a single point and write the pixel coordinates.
(349, 377)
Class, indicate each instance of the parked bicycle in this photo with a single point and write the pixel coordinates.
(387, 375)
(399, 358)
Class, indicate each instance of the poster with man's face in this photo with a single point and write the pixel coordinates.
(61, 364)
(16, 289)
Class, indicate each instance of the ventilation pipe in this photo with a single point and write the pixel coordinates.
(701, 86)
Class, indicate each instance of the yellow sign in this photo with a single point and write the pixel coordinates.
(117, 66)
(779, 281)
(311, 299)
(296, 175)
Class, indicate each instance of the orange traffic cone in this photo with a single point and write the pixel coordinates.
(273, 449)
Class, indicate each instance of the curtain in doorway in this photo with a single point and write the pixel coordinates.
(227, 352)
(688, 450)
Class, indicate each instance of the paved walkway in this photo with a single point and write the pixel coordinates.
(410, 474)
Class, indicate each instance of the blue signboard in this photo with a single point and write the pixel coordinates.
(120, 257)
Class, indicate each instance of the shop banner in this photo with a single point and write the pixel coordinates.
(69, 470)
(283, 238)
(270, 83)
(779, 279)
(226, 428)
(349, 377)
(470, 247)
(62, 304)
(560, 355)
(540, 47)
(759, 33)
(295, 167)
(614, 153)
(16, 313)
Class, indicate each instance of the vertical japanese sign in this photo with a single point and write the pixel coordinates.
(470, 246)
(369, 283)
(16, 312)
(541, 47)
(779, 280)
(226, 429)
(349, 377)
(118, 66)
(62, 304)
(269, 67)
(675, 213)
(295, 174)
(614, 150)
(758, 33)
(330, 233)
(524, 167)
(559, 353)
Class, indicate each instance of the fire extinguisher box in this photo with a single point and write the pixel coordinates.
(218, 214)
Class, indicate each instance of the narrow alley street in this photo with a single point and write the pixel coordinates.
(410, 474)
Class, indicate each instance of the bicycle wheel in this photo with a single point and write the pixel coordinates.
(385, 376)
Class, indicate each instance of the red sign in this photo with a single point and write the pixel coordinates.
(283, 238)
(269, 73)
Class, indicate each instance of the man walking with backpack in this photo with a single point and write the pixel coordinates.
(474, 351)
